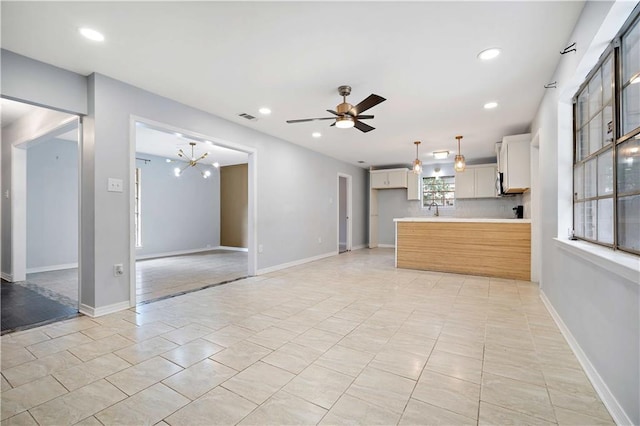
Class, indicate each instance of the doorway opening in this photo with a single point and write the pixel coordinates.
(187, 188)
(344, 213)
(40, 253)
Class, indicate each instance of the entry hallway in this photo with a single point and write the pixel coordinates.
(348, 339)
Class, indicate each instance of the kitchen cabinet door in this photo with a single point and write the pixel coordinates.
(485, 182)
(379, 180)
(397, 179)
(465, 184)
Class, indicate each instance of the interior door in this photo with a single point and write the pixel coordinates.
(343, 214)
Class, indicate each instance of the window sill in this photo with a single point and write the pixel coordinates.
(623, 264)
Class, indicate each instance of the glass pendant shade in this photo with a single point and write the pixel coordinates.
(417, 166)
(458, 163)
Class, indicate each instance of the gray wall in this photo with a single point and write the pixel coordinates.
(20, 133)
(600, 309)
(296, 187)
(42, 84)
(178, 213)
(52, 204)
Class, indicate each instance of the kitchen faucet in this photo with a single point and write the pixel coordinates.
(433, 203)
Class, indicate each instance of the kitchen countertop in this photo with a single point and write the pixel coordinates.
(459, 219)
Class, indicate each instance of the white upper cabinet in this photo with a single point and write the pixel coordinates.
(388, 179)
(515, 163)
(413, 186)
(477, 182)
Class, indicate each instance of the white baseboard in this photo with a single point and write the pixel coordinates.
(103, 310)
(52, 268)
(387, 245)
(295, 263)
(7, 277)
(232, 248)
(174, 253)
(609, 400)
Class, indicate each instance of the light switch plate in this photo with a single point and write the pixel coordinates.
(114, 185)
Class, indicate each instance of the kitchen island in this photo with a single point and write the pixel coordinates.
(488, 247)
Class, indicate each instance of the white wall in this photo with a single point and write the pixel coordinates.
(598, 308)
(52, 205)
(178, 213)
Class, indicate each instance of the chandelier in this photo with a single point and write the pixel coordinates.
(192, 162)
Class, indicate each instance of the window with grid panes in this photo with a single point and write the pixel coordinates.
(439, 190)
(606, 173)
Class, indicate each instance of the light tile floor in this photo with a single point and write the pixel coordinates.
(155, 278)
(348, 339)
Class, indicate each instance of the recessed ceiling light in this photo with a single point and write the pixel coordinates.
(209, 142)
(91, 34)
(489, 54)
(361, 162)
(316, 134)
(490, 105)
(216, 164)
(264, 111)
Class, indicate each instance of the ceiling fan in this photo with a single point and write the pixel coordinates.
(347, 115)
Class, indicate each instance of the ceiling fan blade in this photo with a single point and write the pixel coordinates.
(371, 101)
(364, 117)
(333, 112)
(333, 124)
(363, 127)
(310, 119)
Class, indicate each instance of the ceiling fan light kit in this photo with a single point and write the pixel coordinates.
(344, 122)
(458, 163)
(417, 164)
(347, 115)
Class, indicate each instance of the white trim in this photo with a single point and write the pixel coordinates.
(349, 200)
(6, 276)
(245, 249)
(173, 253)
(387, 246)
(609, 400)
(103, 310)
(296, 263)
(252, 250)
(52, 268)
(623, 264)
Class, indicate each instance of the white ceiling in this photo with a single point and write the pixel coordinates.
(11, 111)
(166, 144)
(233, 57)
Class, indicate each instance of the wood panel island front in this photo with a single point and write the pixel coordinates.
(488, 247)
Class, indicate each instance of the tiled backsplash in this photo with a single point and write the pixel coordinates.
(500, 208)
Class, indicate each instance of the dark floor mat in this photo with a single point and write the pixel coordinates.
(22, 307)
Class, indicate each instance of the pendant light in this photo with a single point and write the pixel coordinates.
(417, 164)
(459, 163)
